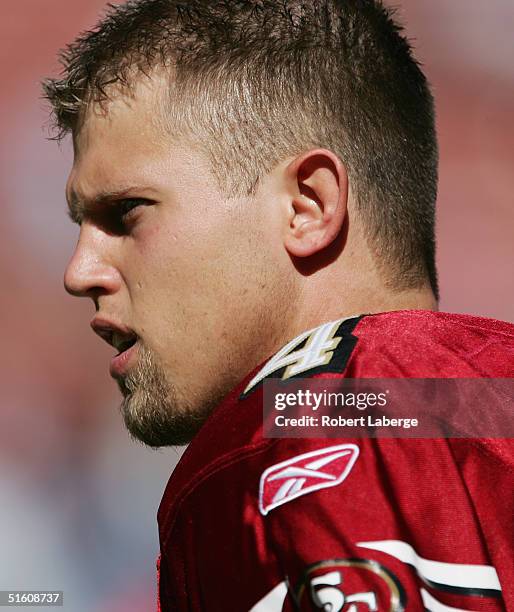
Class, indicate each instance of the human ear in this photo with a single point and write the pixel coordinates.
(317, 203)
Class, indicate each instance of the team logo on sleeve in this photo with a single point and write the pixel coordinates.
(359, 585)
(339, 585)
(351, 585)
(319, 469)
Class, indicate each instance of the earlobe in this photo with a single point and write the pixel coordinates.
(318, 206)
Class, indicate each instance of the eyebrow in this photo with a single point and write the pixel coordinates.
(78, 207)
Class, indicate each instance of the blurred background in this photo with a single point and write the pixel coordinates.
(78, 499)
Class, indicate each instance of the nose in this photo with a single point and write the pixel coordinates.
(89, 272)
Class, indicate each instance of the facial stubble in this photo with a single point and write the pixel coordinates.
(155, 412)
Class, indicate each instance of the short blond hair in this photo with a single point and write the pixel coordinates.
(256, 81)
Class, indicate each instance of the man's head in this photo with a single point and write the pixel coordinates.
(232, 159)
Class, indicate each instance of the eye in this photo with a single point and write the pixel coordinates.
(126, 206)
(120, 216)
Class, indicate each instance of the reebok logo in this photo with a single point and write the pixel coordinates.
(285, 481)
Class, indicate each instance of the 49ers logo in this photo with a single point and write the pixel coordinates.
(350, 585)
(360, 585)
(341, 585)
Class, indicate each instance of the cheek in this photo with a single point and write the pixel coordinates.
(202, 297)
(198, 271)
(180, 274)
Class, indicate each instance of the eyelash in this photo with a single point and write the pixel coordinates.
(115, 214)
(126, 206)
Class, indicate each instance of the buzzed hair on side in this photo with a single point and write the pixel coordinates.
(256, 81)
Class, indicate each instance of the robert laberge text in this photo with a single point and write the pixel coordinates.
(339, 421)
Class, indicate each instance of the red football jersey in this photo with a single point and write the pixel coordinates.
(269, 525)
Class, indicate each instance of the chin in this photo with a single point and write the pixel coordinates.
(156, 411)
(158, 419)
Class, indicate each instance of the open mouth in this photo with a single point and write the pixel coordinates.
(124, 360)
(122, 343)
(123, 339)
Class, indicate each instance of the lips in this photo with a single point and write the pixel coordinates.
(122, 338)
(123, 361)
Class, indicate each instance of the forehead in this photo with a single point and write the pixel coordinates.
(137, 112)
(124, 135)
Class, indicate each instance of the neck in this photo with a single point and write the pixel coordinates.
(368, 302)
